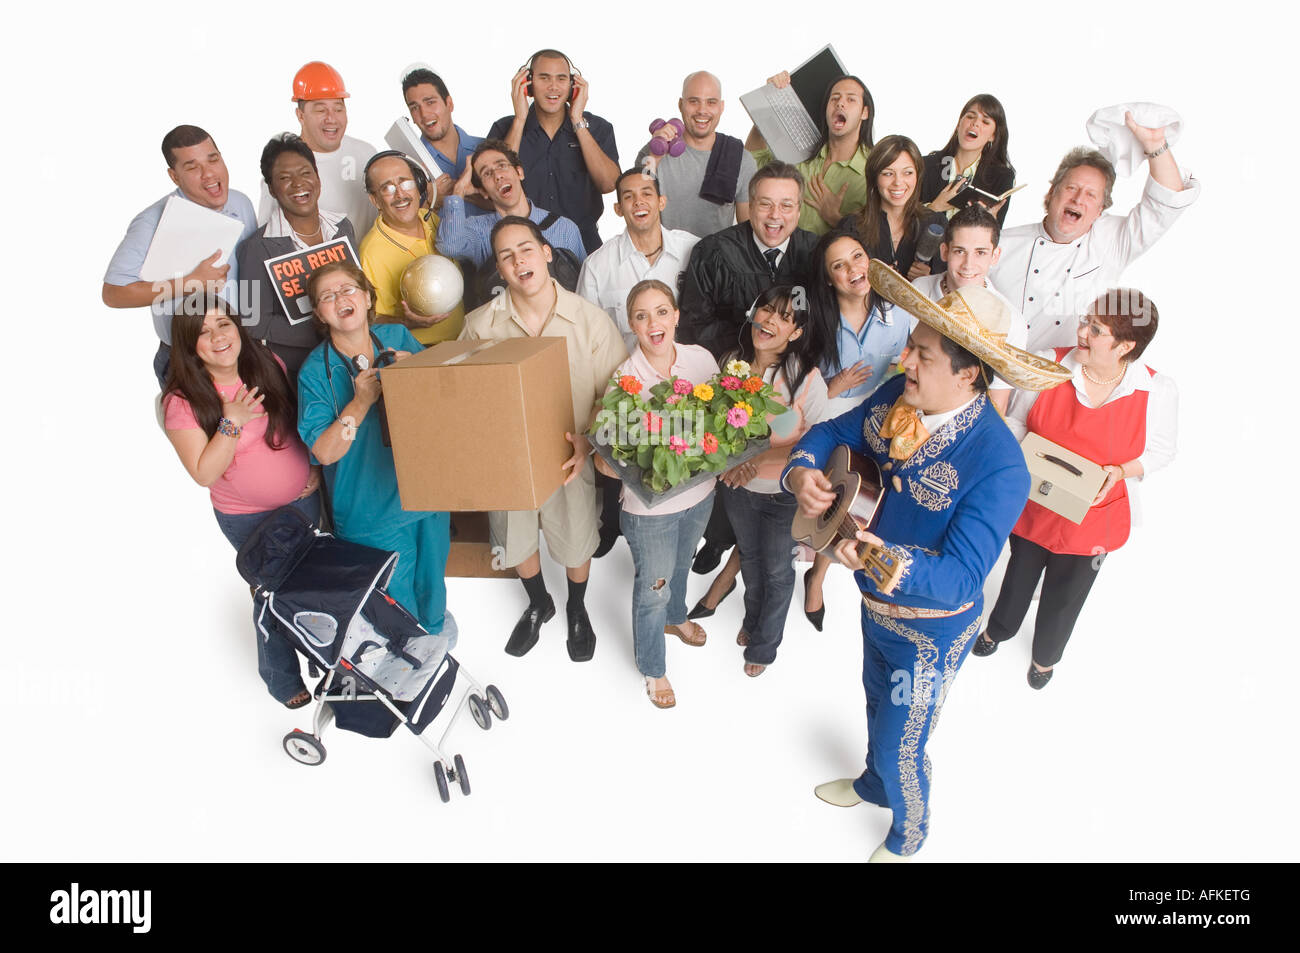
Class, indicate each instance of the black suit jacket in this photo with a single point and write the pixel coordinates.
(988, 177)
(724, 276)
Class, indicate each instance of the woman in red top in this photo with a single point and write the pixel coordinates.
(230, 416)
(1115, 412)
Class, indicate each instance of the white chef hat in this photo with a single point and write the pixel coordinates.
(1108, 133)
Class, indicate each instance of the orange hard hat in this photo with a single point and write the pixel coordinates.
(318, 80)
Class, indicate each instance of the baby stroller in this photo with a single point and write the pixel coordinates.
(327, 597)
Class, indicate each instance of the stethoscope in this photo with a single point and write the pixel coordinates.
(352, 372)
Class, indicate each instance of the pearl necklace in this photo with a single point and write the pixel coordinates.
(1123, 368)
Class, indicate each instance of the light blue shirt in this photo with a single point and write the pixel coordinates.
(455, 169)
(124, 267)
(877, 346)
(462, 237)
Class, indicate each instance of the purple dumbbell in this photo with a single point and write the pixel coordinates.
(674, 148)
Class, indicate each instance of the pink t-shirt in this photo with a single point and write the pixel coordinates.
(697, 365)
(258, 478)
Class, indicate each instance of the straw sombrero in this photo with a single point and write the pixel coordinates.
(975, 319)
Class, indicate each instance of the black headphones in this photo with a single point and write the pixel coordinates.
(417, 173)
(573, 74)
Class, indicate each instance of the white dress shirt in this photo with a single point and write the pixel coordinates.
(610, 271)
(1054, 284)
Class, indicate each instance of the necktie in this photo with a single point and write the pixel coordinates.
(903, 426)
(772, 254)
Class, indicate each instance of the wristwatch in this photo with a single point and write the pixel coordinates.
(582, 124)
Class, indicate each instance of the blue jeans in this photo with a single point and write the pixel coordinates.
(662, 550)
(277, 661)
(761, 522)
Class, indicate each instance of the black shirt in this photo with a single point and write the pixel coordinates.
(555, 174)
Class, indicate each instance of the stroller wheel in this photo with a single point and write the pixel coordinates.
(479, 709)
(497, 702)
(461, 776)
(440, 778)
(304, 748)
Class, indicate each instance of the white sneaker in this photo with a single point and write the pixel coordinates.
(840, 793)
(883, 855)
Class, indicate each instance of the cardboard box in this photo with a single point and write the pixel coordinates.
(479, 425)
(471, 549)
(1060, 479)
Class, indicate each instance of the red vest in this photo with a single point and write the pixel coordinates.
(1113, 433)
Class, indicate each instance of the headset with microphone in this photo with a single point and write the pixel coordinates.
(420, 177)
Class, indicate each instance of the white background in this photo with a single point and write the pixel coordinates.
(135, 726)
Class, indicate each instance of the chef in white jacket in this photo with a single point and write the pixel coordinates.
(1055, 269)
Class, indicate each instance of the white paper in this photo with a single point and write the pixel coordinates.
(187, 234)
(405, 138)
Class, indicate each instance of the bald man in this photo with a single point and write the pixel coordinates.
(707, 186)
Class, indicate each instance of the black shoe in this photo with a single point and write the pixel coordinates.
(707, 559)
(526, 630)
(1038, 679)
(814, 617)
(607, 541)
(582, 640)
(984, 646)
(701, 611)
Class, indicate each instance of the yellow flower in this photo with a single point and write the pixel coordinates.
(746, 407)
(703, 392)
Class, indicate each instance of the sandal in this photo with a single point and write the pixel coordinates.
(660, 697)
(753, 669)
(697, 638)
(742, 637)
(297, 701)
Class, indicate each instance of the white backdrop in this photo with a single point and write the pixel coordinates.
(134, 723)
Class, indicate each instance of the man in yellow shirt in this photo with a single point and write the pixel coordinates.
(835, 176)
(403, 232)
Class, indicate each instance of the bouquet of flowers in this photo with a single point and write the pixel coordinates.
(679, 431)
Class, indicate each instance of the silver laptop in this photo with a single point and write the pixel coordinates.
(787, 118)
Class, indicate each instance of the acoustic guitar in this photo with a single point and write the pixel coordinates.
(859, 491)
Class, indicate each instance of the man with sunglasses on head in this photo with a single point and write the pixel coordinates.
(403, 232)
(569, 154)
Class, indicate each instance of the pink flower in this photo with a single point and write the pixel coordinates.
(672, 398)
(682, 386)
(730, 383)
(677, 444)
(737, 417)
(652, 422)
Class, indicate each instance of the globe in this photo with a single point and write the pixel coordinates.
(432, 285)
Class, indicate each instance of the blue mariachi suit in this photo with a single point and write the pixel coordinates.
(962, 491)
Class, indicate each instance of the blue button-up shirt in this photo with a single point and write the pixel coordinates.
(124, 267)
(877, 345)
(456, 169)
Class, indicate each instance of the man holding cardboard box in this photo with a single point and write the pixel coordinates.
(534, 305)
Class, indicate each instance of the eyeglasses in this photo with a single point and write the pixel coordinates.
(766, 205)
(1095, 328)
(327, 297)
(388, 189)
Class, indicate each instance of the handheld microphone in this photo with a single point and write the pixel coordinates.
(928, 243)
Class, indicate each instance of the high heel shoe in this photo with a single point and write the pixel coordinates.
(814, 617)
(701, 611)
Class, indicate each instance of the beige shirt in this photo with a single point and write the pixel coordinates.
(595, 346)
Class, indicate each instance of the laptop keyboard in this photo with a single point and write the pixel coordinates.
(785, 103)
